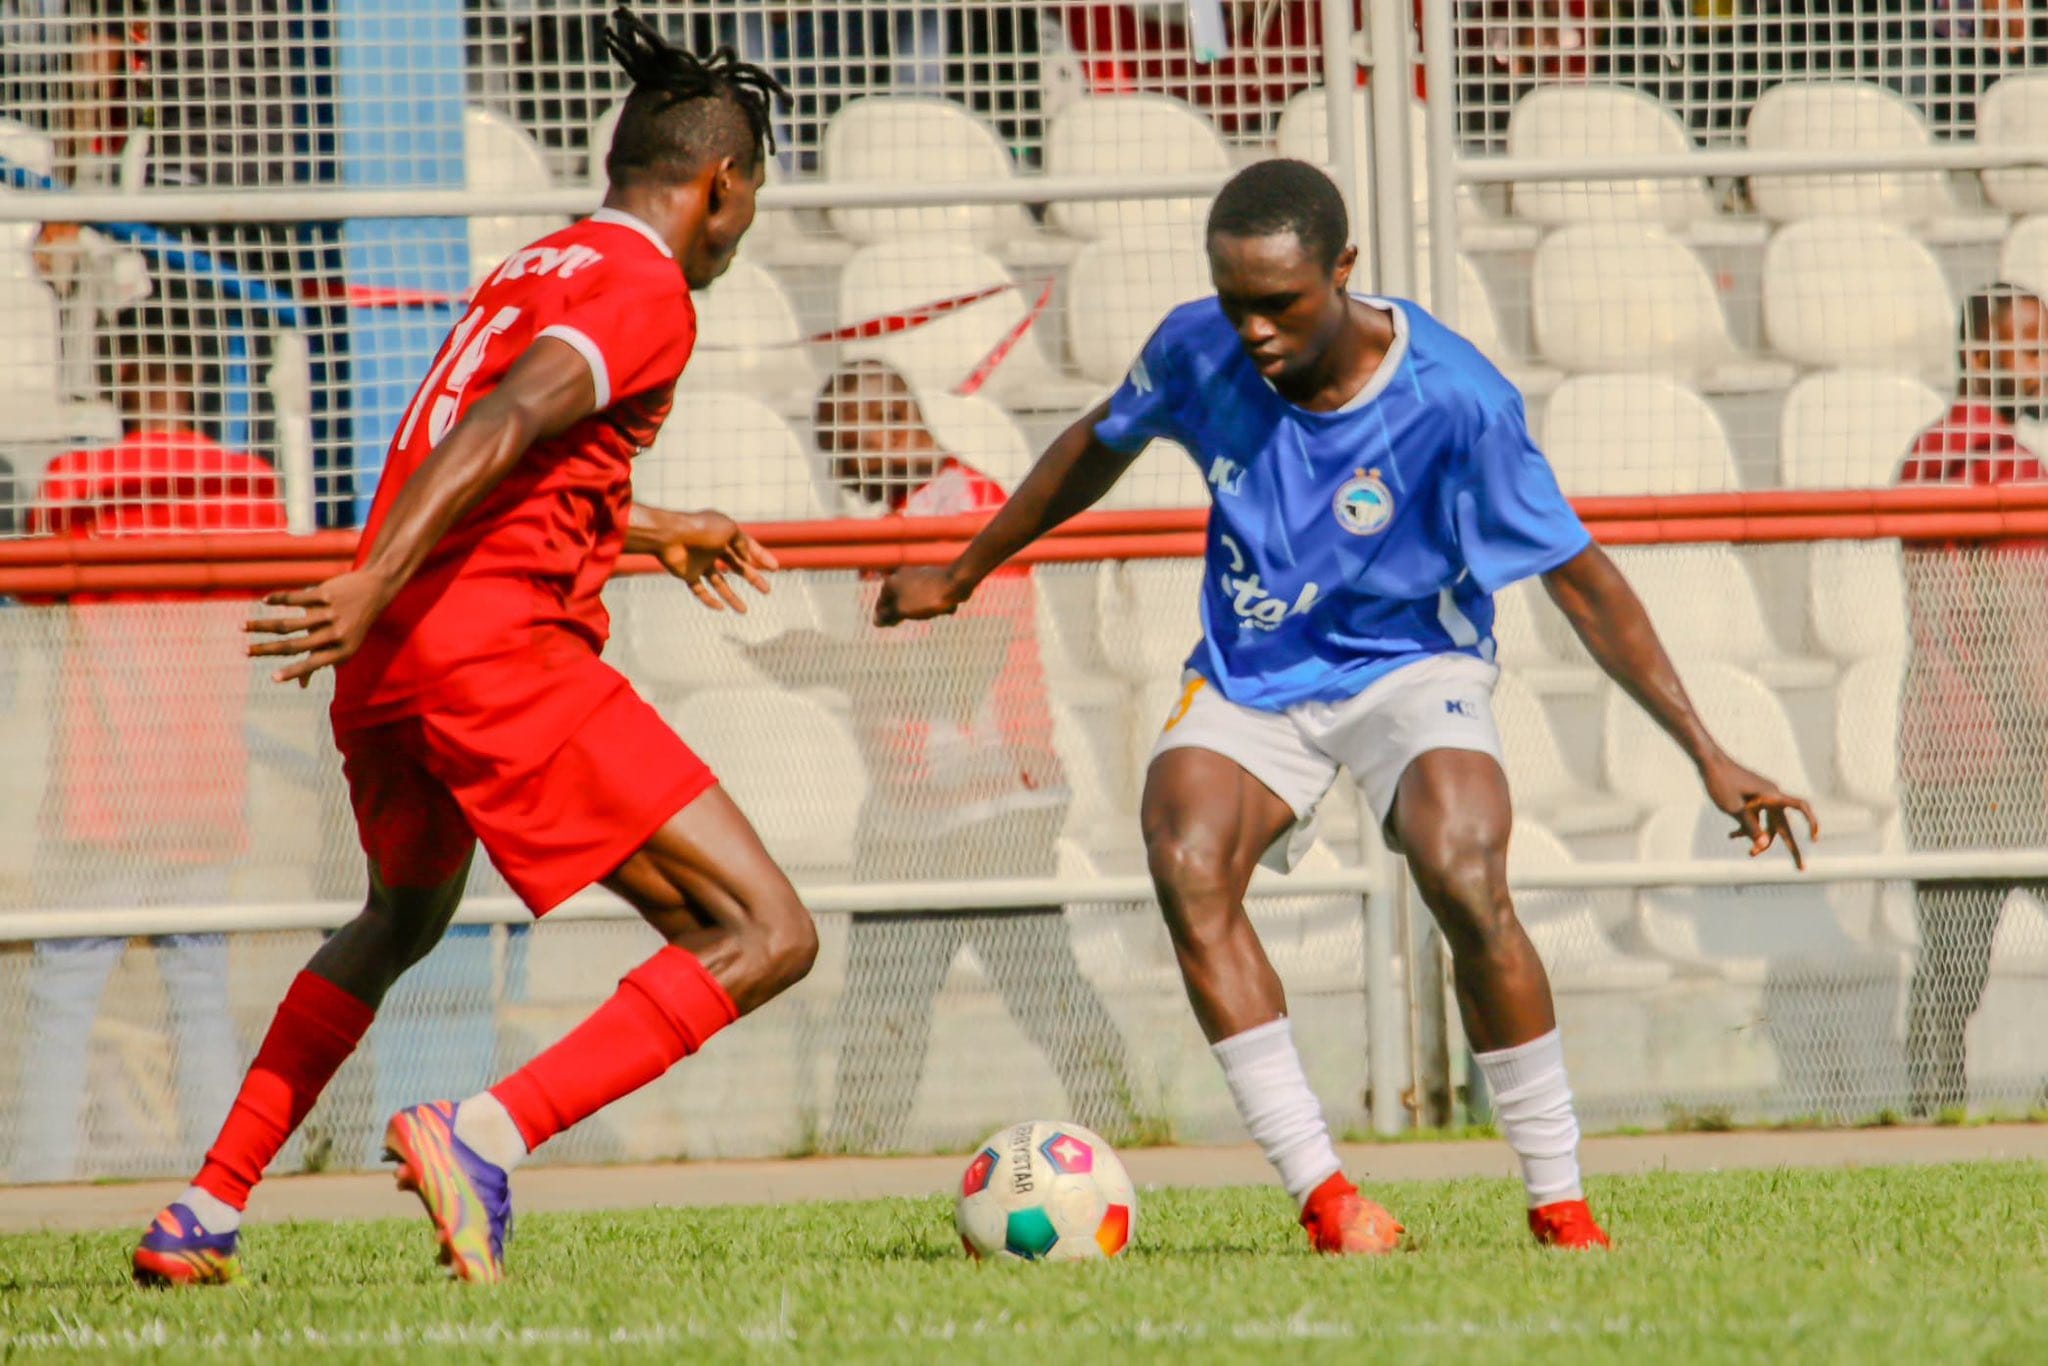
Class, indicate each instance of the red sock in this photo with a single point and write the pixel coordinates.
(662, 1012)
(316, 1027)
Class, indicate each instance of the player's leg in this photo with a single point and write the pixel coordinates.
(895, 966)
(1212, 806)
(66, 981)
(737, 937)
(1958, 922)
(1452, 816)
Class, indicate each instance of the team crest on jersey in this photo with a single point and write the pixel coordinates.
(1364, 504)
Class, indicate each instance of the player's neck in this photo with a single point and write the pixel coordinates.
(666, 212)
(1348, 366)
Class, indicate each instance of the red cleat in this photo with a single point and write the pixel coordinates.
(1342, 1222)
(1567, 1224)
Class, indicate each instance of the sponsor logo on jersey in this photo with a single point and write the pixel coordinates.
(562, 261)
(1364, 504)
(1458, 706)
(1226, 476)
(1256, 607)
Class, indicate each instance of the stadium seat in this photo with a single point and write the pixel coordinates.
(1852, 428)
(2015, 110)
(1108, 136)
(1625, 434)
(1150, 616)
(732, 452)
(1856, 599)
(1555, 122)
(1705, 606)
(1120, 290)
(928, 141)
(1478, 321)
(497, 158)
(1538, 776)
(890, 279)
(2024, 260)
(789, 763)
(1867, 730)
(1844, 292)
(981, 433)
(1164, 476)
(1570, 929)
(1629, 297)
(1646, 767)
(668, 643)
(1843, 115)
(749, 341)
(1533, 640)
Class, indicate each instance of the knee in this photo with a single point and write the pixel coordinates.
(782, 946)
(1189, 865)
(1464, 883)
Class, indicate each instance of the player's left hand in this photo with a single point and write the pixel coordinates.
(706, 548)
(1761, 812)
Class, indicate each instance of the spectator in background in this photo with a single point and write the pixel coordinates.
(1971, 44)
(1973, 728)
(964, 784)
(144, 803)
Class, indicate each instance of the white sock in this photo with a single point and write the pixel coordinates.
(1532, 1102)
(486, 1126)
(1264, 1074)
(215, 1214)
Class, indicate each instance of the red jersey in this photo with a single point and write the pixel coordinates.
(519, 578)
(1967, 710)
(150, 753)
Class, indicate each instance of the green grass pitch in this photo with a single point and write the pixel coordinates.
(1935, 1263)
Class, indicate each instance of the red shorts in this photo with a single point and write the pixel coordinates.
(562, 774)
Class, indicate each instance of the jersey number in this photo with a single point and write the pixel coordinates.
(460, 360)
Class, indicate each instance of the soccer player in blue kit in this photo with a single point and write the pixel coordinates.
(1373, 482)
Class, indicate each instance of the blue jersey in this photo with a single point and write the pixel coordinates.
(1343, 545)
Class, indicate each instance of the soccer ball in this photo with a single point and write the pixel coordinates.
(1046, 1191)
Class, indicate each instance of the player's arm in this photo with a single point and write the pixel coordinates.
(1072, 475)
(701, 549)
(548, 390)
(1610, 619)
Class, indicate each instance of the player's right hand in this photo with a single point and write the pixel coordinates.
(333, 619)
(915, 593)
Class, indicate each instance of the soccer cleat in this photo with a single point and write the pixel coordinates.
(1567, 1224)
(176, 1249)
(468, 1199)
(1340, 1221)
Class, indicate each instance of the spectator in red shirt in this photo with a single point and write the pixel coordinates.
(1973, 730)
(144, 804)
(975, 794)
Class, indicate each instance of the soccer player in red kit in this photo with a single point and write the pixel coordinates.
(471, 705)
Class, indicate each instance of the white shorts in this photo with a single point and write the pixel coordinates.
(1443, 702)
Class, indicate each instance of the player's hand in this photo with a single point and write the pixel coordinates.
(915, 593)
(332, 621)
(1761, 812)
(706, 549)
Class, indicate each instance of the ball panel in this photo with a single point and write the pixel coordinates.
(1114, 1231)
(1030, 1234)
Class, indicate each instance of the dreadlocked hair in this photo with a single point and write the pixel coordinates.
(685, 109)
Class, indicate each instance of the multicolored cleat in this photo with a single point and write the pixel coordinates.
(1567, 1224)
(177, 1249)
(468, 1198)
(1342, 1222)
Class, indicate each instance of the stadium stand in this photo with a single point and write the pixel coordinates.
(1608, 434)
(499, 157)
(1580, 121)
(1116, 135)
(1853, 292)
(2015, 110)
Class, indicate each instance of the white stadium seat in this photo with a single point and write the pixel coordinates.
(498, 157)
(890, 278)
(1118, 291)
(1626, 434)
(980, 432)
(1532, 639)
(1867, 730)
(1630, 297)
(1582, 121)
(1131, 135)
(1851, 428)
(790, 765)
(1845, 292)
(1705, 606)
(732, 452)
(2015, 110)
(669, 640)
(929, 141)
(1856, 599)
(748, 339)
(1849, 115)
(2025, 258)
(1163, 476)
(1539, 779)
(1478, 321)
(1569, 934)
(29, 351)
(1150, 618)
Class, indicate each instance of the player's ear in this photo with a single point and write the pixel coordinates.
(1341, 276)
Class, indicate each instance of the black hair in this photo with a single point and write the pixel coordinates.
(684, 109)
(1282, 195)
(1985, 309)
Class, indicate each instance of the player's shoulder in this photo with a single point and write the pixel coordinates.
(1191, 341)
(1453, 373)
